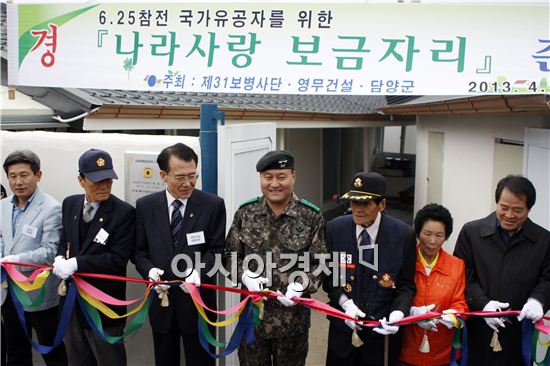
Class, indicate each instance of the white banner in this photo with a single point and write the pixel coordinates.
(301, 48)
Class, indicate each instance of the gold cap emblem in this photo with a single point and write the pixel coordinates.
(100, 162)
(358, 183)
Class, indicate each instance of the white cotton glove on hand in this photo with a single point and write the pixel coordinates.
(447, 319)
(426, 324)
(10, 258)
(294, 289)
(532, 310)
(494, 323)
(253, 282)
(191, 276)
(387, 329)
(64, 268)
(352, 311)
(155, 273)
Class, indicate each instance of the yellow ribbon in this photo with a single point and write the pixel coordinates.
(106, 310)
(222, 323)
(38, 282)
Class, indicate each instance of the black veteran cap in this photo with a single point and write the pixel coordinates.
(96, 165)
(276, 159)
(366, 186)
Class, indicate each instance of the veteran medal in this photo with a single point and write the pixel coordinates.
(347, 287)
(387, 281)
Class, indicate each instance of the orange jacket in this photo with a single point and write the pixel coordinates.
(444, 288)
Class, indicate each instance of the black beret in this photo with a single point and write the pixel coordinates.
(276, 159)
(366, 186)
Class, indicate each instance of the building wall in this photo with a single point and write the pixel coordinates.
(468, 160)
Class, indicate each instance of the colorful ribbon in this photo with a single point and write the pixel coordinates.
(246, 313)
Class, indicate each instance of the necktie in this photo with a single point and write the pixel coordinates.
(176, 221)
(87, 214)
(366, 254)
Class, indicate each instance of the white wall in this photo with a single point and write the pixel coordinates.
(468, 189)
(59, 153)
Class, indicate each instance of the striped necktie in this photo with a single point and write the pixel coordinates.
(176, 221)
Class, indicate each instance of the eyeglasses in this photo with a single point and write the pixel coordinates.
(184, 178)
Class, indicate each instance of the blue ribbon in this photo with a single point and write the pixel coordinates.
(526, 341)
(63, 321)
(244, 328)
(464, 343)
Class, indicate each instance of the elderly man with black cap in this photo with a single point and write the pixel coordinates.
(277, 227)
(378, 252)
(98, 235)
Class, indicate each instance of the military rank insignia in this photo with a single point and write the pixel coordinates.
(387, 281)
(358, 183)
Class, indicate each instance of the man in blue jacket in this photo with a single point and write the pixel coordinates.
(378, 254)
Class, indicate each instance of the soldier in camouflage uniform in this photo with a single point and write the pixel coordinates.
(278, 224)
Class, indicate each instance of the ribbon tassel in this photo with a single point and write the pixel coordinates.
(495, 343)
(356, 340)
(163, 296)
(62, 289)
(425, 344)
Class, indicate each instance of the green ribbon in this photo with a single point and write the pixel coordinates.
(24, 298)
(136, 323)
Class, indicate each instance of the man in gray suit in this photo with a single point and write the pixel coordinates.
(30, 230)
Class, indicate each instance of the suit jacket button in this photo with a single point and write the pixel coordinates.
(352, 277)
(374, 277)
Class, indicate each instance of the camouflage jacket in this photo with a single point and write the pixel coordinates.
(298, 231)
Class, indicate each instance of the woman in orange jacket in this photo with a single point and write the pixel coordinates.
(440, 280)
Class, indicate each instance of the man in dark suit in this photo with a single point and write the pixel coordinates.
(179, 220)
(378, 253)
(98, 234)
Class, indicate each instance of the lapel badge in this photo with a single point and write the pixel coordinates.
(190, 215)
(100, 162)
(347, 287)
(101, 219)
(387, 281)
(358, 183)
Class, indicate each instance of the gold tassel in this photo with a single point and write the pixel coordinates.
(356, 340)
(62, 289)
(495, 343)
(425, 344)
(261, 315)
(163, 296)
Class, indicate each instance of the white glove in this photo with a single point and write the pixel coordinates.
(155, 273)
(426, 324)
(447, 319)
(293, 289)
(253, 282)
(191, 276)
(10, 258)
(64, 268)
(387, 329)
(353, 311)
(161, 288)
(532, 310)
(493, 305)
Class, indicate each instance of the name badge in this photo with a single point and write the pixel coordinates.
(101, 237)
(30, 231)
(195, 238)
